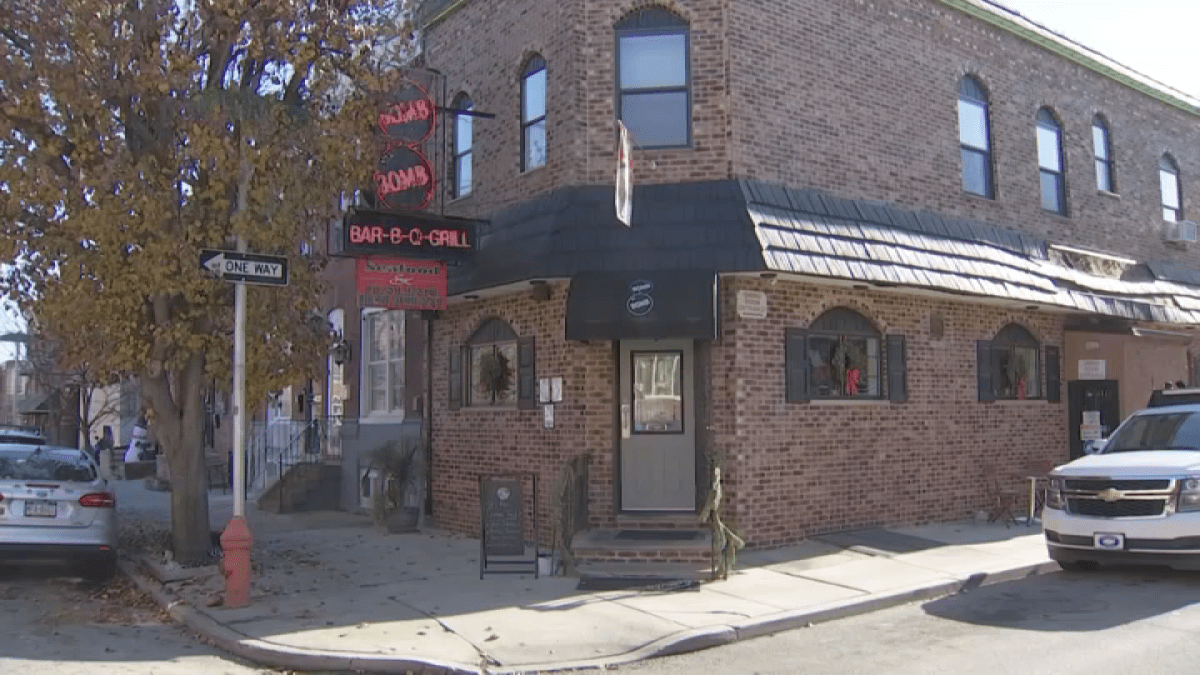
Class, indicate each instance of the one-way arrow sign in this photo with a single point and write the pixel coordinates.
(250, 268)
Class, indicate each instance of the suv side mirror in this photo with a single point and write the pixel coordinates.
(1095, 447)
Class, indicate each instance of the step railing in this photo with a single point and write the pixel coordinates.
(277, 446)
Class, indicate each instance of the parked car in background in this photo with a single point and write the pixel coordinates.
(55, 507)
(1136, 499)
(21, 434)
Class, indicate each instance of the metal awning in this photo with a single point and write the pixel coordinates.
(34, 404)
(658, 305)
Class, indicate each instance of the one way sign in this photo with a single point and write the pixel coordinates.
(250, 268)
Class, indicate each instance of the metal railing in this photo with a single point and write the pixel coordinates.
(275, 447)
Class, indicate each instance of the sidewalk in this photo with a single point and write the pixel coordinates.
(332, 593)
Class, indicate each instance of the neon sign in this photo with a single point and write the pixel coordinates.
(407, 235)
(404, 179)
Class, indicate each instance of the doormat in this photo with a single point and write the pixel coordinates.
(657, 535)
(635, 583)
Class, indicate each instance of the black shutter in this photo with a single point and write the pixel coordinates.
(983, 365)
(526, 375)
(455, 384)
(795, 358)
(897, 369)
(1053, 377)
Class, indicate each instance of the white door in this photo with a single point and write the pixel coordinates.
(658, 426)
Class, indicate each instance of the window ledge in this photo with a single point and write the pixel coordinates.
(849, 401)
(1056, 214)
(973, 195)
(534, 170)
(463, 198)
(1016, 401)
(380, 418)
(1106, 193)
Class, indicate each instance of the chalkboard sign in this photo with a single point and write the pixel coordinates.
(503, 517)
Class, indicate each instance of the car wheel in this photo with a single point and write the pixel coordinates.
(1078, 565)
(99, 571)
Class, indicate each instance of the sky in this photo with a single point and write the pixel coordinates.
(1157, 38)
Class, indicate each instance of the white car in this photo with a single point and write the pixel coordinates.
(20, 434)
(1137, 499)
(55, 507)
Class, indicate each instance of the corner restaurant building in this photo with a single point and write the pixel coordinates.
(743, 325)
(849, 360)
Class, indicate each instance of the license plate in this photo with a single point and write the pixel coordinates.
(39, 508)
(1108, 541)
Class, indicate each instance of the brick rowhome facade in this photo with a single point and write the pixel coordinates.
(853, 98)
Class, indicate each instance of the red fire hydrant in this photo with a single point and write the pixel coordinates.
(236, 542)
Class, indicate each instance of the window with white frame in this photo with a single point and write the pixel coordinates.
(383, 363)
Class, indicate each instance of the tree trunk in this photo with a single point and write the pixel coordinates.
(179, 420)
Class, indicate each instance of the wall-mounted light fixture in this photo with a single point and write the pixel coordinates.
(340, 352)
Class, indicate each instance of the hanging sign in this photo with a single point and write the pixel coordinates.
(401, 284)
(404, 180)
(409, 116)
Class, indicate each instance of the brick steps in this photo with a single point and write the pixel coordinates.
(614, 546)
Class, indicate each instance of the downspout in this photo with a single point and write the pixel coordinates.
(427, 427)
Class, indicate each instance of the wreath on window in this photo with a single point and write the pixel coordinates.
(848, 356)
(495, 373)
(1016, 370)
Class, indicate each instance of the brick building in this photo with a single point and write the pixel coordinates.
(879, 250)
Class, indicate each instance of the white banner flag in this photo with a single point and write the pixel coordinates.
(624, 176)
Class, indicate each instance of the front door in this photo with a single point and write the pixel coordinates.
(1094, 408)
(658, 426)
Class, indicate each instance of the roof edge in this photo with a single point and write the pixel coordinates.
(1031, 31)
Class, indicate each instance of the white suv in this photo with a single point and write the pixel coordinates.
(1137, 499)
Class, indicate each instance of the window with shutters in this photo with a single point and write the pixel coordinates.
(494, 369)
(843, 356)
(1012, 365)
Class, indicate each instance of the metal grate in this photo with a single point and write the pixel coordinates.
(1118, 509)
(1098, 484)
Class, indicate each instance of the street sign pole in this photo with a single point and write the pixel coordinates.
(239, 394)
(236, 540)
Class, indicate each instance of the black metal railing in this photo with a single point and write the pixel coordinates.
(276, 447)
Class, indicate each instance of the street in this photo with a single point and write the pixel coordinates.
(56, 625)
(1122, 621)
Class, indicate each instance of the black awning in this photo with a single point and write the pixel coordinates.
(655, 305)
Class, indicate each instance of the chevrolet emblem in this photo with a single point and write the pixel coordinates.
(1111, 495)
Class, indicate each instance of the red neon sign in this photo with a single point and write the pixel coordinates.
(404, 179)
(416, 236)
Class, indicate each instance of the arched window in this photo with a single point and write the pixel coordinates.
(533, 114)
(1106, 178)
(494, 368)
(654, 78)
(1050, 162)
(460, 186)
(1172, 190)
(1010, 365)
(975, 138)
(842, 356)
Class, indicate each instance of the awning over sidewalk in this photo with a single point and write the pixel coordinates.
(659, 305)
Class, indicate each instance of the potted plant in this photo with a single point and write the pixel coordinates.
(395, 463)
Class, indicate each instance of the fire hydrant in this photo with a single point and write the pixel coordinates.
(236, 542)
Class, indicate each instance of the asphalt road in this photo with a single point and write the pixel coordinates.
(1122, 621)
(57, 625)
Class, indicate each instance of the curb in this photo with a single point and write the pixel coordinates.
(297, 658)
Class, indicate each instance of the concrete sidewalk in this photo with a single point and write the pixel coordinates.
(330, 593)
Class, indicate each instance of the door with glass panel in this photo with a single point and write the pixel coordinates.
(658, 426)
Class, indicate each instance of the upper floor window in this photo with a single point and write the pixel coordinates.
(1050, 162)
(1102, 151)
(654, 78)
(533, 114)
(975, 138)
(1172, 191)
(383, 362)
(1010, 365)
(463, 147)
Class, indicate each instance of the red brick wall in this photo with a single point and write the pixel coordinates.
(469, 441)
(796, 469)
(857, 97)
